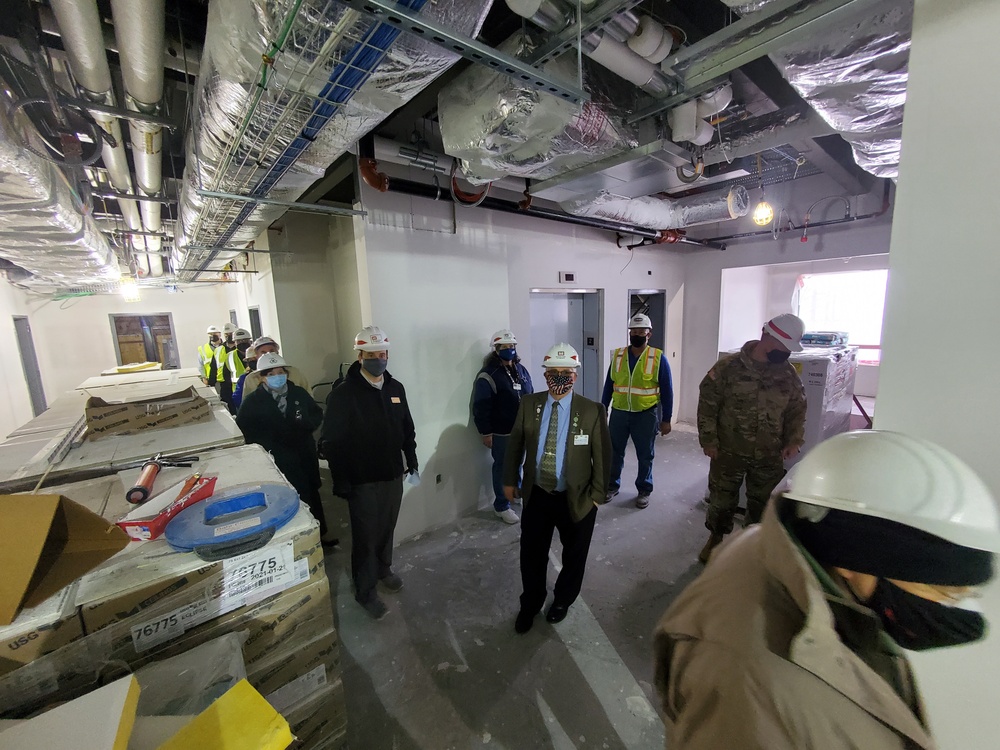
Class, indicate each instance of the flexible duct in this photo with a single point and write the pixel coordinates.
(662, 213)
(498, 127)
(42, 226)
(80, 27)
(139, 28)
(271, 131)
(855, 78)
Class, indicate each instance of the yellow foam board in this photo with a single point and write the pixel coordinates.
(239, 720)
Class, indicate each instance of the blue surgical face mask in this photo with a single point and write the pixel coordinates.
(375, 366)
(276, 382)
(507, 355)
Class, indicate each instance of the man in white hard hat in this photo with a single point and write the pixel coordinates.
(367, 434)
(640, 393)
(500, 385)
(790, 638)
(207, 350)
(219, 373)
(751, 418)
(562, 440)
(267, 345)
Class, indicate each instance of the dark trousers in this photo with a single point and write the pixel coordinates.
(310, 497)
(498, 451)
(641, 426)
(543, 513)
(725, 477)
(374, 509)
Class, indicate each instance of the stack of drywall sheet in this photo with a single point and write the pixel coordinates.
(149, 602)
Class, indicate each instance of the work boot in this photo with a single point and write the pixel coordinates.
(642, 501)
(713, 541)
(609, 495)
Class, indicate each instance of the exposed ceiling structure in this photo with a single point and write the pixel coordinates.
(157, 140)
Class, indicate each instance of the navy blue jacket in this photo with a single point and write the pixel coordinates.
(495, 400)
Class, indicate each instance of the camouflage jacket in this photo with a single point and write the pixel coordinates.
(749, 408)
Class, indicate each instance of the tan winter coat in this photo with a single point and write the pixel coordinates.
(747, 658)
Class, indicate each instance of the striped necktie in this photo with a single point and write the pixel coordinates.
(547, 470)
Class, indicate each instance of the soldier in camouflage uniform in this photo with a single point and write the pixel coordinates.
(751, 417)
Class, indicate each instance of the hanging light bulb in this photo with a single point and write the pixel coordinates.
(129, 289)
(763, 214)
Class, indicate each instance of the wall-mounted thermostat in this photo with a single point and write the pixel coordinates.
(567, 277)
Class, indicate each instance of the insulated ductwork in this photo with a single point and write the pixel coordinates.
(82, 37)
(499, 128)
(855, 78)
(661, 213)
(42, 226)
(139, 26)
(269, 131)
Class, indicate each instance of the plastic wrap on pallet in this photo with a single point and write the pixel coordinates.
(855, 76)
(498, 128)
(320, 37)
(43, 228)
(661, 213)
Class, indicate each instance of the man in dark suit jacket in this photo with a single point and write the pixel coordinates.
(563, 440)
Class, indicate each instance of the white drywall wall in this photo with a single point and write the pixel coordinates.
(703, 268)
(743, 305)
(939, 363)
(74, 338)
(15, 403)
(255, 290)
(443, 278)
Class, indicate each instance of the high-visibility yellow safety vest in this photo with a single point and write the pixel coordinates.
(236, 366)
(205, 354)
(639, 389)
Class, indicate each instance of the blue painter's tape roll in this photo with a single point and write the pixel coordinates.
(235, 515)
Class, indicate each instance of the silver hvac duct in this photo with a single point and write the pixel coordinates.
(139, 28)
(42, 225)
(855, 77)
(662, 213)
(247, 116)
(80, 27)
(499, 128)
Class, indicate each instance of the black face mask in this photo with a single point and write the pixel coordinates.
(251, 364)
(918, 624)
(777, 356)
(637, 341)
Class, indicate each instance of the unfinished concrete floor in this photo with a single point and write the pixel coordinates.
(445, 668)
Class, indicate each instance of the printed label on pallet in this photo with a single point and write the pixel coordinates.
(257, 575)
(298, 689)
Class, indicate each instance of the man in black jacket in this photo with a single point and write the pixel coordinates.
(367, 433)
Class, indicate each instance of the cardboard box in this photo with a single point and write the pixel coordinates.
(46, 543)
(102, 719)
(40, 630)
(298, 670)
(146, 574)
(320, 719)
(126, 417)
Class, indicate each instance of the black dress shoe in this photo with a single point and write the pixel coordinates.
(524, 621)
(556, 613)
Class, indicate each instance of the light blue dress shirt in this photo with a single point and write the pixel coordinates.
(563, 408)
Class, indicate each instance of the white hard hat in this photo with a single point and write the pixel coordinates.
(242, 334)
(250, 353)
(561, 355)
(900, 478)
(264, 340)
(269, 361)
(213, 329)
(640, 321)
(371, 339)
(228, 328)
(503, 336)
(787, 329)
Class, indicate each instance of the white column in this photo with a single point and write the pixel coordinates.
(940, 372)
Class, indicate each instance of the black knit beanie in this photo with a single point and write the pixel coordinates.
(887, 549)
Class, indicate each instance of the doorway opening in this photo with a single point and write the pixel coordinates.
(652, 303)
(574, 317)
(255, 329)
(29, 363)
(145, 338)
